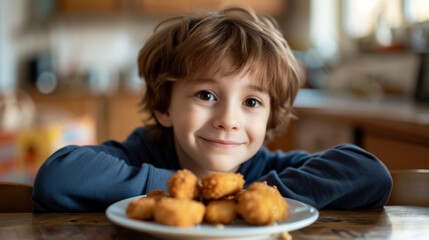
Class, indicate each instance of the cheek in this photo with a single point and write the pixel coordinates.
(188, 120)
(258, 127)
(259, 133)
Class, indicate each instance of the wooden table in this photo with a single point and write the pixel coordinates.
(391, 222)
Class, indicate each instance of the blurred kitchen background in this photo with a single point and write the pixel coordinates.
(68, 74)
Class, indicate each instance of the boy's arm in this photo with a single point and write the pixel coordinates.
(343, 177)
(90, 178)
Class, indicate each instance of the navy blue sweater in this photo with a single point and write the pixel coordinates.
(90, 178)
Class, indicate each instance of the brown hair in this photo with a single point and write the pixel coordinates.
(183, 48)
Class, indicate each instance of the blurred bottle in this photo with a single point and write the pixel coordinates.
(41, 73)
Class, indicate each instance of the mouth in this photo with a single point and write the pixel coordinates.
(222, 143)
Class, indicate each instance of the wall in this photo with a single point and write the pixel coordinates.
(7, 56)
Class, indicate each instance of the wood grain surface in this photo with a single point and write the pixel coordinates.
(391, 222)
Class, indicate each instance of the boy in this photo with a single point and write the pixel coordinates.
(218, 85)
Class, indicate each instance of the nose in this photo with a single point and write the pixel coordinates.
(227, 118)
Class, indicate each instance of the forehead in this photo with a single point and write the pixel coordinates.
(226, 70)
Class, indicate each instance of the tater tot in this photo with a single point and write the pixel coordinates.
(183, 185)
(261, 204)
(218, 185)
(220, 212)
(179, 212)
(157, 194)
(142, 208)
(223, 194)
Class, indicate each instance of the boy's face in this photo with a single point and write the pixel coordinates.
(218, 121)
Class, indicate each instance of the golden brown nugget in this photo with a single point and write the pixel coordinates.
(183, 185)
(218, 185)
(141, 208)
(157, 194)
(261, 204)
(220, 212)
(179, 212)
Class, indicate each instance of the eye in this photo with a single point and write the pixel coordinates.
(206, 96)
(251, 102)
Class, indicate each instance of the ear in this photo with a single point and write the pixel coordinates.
(163, 118)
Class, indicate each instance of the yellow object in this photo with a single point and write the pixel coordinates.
(24, 151)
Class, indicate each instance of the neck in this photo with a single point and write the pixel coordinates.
(186, 162)
(196, 169)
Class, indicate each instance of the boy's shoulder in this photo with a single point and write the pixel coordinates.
(157, 153)
(139, 135)
(141, 138)
(265, 155)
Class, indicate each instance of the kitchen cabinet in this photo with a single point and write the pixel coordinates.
(394, 130)
(122, 113)
(397, 153)
(116, 116)
(163, 7)
(93, 6)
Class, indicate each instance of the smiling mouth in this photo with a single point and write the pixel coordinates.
(221, 143)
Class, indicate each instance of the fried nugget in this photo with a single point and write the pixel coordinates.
(179, 212)
(183, 185)
(220, 212)
(261, 204)
(157, 194)
(142, 208)
(218, 185)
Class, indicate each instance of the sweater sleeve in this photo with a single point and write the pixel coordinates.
(90, 178)
(343, 177)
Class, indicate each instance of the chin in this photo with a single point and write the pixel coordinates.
(218, 166)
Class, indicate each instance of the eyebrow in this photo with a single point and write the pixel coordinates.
(203, 80)
(259, 89)
(210, 80)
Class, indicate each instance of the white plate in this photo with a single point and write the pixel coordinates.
(299, 215)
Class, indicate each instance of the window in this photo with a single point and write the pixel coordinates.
(364, 17)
